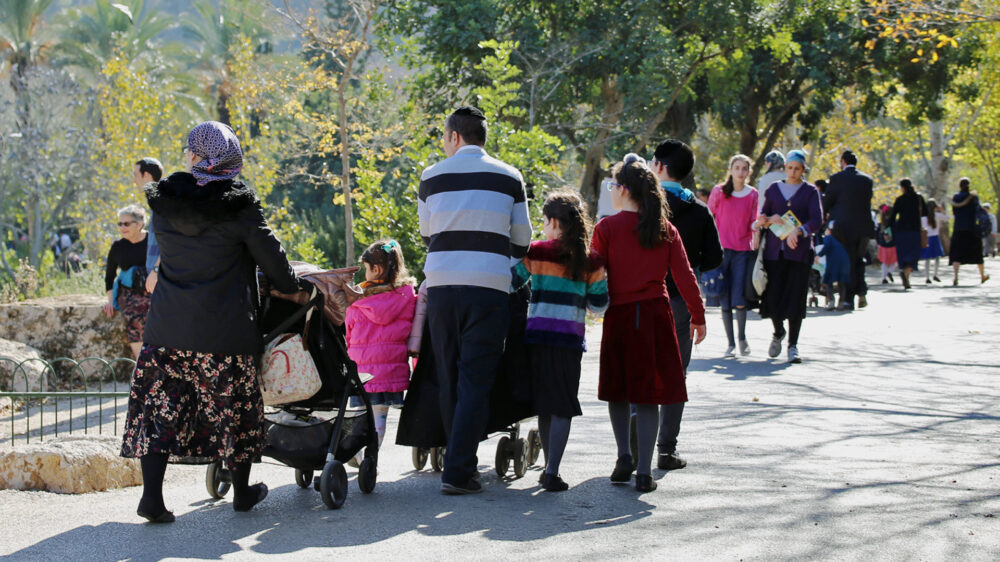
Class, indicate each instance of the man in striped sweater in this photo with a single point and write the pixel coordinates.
(474, 218)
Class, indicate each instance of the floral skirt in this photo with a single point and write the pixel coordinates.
(198, 407)
(134, 304)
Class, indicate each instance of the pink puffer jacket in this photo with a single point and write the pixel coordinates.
(377, 329)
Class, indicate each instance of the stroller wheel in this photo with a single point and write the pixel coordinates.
(503, 456)
(217, 480)
(520, 457)
(333, 485)
(304, 478)
(420, 455)
(437, 459)
(534, 446)
(367, 475)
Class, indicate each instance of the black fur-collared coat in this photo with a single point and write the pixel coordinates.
(211, 238)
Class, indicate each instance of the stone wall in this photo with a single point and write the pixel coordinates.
(72, 326)
(19, 357)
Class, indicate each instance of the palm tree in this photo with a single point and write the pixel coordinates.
(216, 30)
(95, 35)
(23, 44)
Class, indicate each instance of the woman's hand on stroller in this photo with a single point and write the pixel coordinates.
(300, 298)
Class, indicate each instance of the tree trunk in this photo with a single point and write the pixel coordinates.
(593, 172)
(937, 180)
(222, 108)
(345, 173)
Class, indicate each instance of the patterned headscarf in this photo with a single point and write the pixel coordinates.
(217, 145)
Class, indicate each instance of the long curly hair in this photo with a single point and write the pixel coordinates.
(654, 214)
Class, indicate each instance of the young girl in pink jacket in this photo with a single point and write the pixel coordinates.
(378, 326)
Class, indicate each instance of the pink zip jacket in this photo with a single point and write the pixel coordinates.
(378, 326)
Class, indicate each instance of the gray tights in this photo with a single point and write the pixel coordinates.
(647, 424)
(554, 432)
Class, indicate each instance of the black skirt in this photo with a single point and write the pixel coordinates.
(966, 247)
(787, 289)
(556, 380)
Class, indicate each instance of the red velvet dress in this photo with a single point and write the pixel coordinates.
(640, 357)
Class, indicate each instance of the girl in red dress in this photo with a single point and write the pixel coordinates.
(640, 359)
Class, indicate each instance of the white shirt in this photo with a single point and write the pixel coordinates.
(939, 217)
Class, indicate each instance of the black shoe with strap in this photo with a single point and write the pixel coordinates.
(644, 483)
(623, 469)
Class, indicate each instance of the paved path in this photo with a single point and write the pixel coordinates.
(883, 444)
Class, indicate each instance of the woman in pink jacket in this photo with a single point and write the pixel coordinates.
(378, 326)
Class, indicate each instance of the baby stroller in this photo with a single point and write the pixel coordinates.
(318, 434)
(420, 424)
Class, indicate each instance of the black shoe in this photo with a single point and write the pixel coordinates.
(936, 278)
(623, 469)
(862, 301)
(644, 483)
(162, 517)
(891, 280)
(553, 483)
(255, 495)
(670, 461)
(472, 486)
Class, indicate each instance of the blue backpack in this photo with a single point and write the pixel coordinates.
(985, 226)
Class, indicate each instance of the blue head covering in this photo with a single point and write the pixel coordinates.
(222, 157)
(796, 156)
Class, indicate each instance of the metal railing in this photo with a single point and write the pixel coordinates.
(62, 384)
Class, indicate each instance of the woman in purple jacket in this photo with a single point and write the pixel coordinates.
(787, 261)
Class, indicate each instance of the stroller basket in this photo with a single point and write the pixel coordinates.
(303, 444)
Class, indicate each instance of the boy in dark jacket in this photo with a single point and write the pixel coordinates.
(672, 162)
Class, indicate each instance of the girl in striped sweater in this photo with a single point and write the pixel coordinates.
(566, 281)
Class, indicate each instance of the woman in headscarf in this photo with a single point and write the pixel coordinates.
(905, 219)
(787, 260)
(195, 396)
(966, 244)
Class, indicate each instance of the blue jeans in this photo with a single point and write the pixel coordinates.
(468, 326)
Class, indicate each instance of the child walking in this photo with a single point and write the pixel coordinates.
(641, 362)
(934, 250)
(566, 281)
(838, 268)
(734, 206)
(378, 327)
(886, 245)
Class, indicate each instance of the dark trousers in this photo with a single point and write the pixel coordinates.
(856, 247)
(670, 414)
(468, 326)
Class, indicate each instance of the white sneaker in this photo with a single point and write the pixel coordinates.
(775, 348)
(793, 354)
(744, 348)
(731, 351)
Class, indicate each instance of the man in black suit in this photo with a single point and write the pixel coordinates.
(849, 201)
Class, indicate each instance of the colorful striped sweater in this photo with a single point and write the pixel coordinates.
(558, 311)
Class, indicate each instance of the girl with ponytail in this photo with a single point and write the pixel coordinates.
(378, 326)
(641, 363)
(566, 282)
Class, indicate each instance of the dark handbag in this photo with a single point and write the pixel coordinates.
(712, 282)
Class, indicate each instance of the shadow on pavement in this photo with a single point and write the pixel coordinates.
(292, 520)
